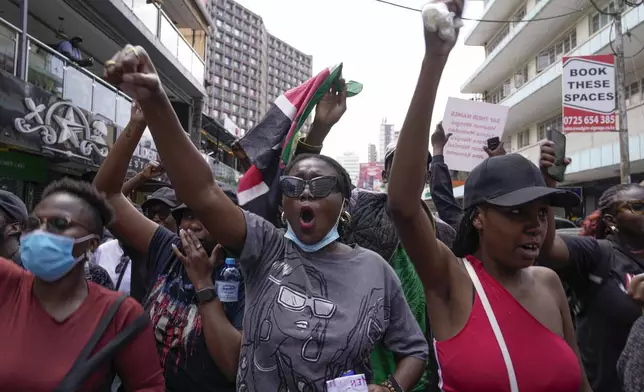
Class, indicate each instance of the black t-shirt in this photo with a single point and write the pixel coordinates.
(598, 276)
(177, 324)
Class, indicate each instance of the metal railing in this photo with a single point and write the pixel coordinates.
(58, 75)
(153, 17)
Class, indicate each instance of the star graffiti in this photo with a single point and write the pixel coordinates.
(69, 127)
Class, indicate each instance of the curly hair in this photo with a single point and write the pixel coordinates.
(467, 237)
(594, 225)
(102, 211)
(344, 180)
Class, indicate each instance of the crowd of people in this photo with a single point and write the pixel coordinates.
(101, 294)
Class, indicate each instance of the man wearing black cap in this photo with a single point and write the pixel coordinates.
(13, 217)
(197, 335)
(158, 208)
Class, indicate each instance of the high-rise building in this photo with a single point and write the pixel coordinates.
(386, 137)
(351, 163)
(523, 71)
(247, 67)
(373, 153)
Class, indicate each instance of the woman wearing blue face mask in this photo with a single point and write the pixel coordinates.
(50, 312)
(315, 307)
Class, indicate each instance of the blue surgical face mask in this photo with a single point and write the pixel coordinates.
(49, 256)
(331, 236)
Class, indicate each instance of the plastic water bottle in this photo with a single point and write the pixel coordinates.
(227, 283)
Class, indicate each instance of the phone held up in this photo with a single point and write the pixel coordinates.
(493, 143)
(559, 169)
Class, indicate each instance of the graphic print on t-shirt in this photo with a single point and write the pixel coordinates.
(290, 325)
(174, 315)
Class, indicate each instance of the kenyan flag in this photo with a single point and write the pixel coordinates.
(270, 145)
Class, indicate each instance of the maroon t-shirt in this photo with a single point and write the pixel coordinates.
(36, 351)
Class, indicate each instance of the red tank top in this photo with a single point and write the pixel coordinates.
(472, 361)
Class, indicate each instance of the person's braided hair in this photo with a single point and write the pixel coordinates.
(467, 237)
(594, 225)
(344, 180)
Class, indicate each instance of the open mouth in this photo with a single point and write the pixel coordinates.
(530, 247)
(302, 324)
(307, 217)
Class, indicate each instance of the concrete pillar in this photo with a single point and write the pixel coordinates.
(195, 121)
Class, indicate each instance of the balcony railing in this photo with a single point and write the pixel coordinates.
(56, 74)
(153, 17)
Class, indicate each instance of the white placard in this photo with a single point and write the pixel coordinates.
(355, 383)
(471, 124)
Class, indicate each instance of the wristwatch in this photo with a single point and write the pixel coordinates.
(206, 295)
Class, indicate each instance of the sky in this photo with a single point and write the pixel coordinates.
(381, 47)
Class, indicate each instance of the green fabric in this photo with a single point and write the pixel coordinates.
(382, 361)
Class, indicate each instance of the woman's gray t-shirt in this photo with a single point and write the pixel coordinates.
(311, 316)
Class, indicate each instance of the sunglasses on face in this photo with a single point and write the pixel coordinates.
(162, 211)
(56, 225)
(319, 187)
(634, 206)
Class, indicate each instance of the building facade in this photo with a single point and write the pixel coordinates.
(351, 163)
(386, 136)
(59, 117)
(247, 67)
(372, 153)
(523, 68)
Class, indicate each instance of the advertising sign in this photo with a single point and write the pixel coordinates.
(589, 93)
(471, 124)
(370, 177)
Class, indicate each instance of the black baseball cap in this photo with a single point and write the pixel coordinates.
(512, 180)
(164, 195)
(14, 207)
(228, 191)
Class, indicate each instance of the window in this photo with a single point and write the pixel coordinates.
(553, 123)
(553, 53)
(226, 83)
(600, 19)
(518, 16)
(521, 76)
(633, 93)
(489, 48)
(499, 94)
(523, 139)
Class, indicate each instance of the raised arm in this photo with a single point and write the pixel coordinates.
(132, 70)
(431, 258)
(440, 182)
(328, 112)
(128, 222)
(554, 253)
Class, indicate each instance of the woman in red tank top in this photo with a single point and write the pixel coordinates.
(500, 324)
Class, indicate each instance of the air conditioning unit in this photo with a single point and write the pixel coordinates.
(518, 80)
(507, 89)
